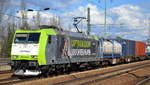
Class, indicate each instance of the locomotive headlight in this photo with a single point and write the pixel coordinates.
(34, 56)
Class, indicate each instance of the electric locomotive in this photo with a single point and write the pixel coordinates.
(45, 50)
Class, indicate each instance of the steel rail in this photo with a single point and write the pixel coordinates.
(127, 69)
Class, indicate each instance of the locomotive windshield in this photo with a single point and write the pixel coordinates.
(27, 38)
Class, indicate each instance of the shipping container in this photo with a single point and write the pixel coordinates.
(130, 51)
(128, 47)
(140, 49)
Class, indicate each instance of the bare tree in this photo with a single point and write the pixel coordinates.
(3, 8)
(4, 5)
(7, 36)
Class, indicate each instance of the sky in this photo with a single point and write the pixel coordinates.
(128, 18)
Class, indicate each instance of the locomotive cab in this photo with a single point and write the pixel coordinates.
(28, 51)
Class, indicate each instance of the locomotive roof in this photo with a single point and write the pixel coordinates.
(52, 31)
(48, 31)
(79, 35)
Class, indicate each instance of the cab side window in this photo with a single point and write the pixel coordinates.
(49, 39)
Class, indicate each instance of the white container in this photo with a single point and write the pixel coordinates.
(111, 48)
(117, 48)
(107, 48)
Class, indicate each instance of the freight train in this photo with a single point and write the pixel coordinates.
(36, 52)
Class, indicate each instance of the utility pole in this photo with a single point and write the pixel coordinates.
(88, 22)
(148, 40)
(105, 22)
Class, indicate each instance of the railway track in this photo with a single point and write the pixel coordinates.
(80, 79)
(14, 80)
(88, 80)
(143, 82)
(8, 79)
(4, 72)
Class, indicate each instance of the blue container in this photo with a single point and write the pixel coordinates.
(128, 47)
(131, 48)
